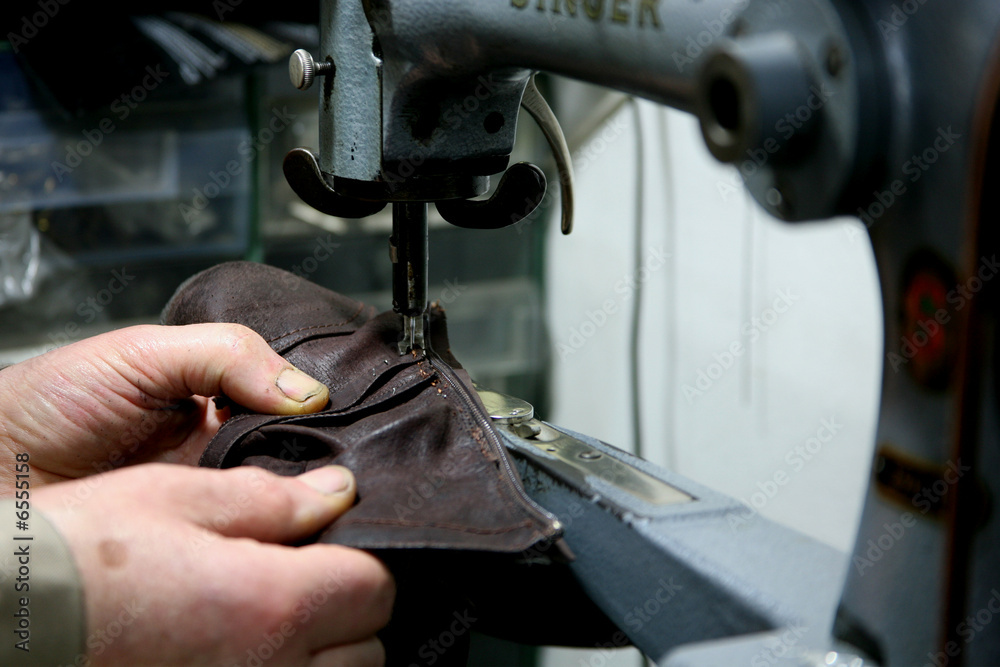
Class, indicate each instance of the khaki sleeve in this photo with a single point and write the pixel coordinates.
(41, 597)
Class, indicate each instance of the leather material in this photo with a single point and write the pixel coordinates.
(431, 471)
(438, 501)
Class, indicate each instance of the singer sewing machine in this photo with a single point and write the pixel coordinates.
(880, 109)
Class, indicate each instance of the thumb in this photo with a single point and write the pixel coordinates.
(213, 359)
(252, 502)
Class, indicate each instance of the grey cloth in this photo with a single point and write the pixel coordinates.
(41, 595)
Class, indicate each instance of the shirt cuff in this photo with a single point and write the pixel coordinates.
(42, 616)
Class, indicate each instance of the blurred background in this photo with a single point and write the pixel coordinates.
(678, 320)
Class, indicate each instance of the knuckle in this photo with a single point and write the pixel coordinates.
(357, 580)
(263, 485)
(225, 495)
(269, 492)
(259, 604)
(279, 607)
(240, 340)
(171, 480)
(194, 488)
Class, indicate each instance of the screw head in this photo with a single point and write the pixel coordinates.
(301, 69)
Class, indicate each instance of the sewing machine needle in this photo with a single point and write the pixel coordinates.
(408, 250)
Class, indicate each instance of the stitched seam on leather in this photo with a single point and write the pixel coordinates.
(524, 523)
(384, 391)
(353, 410)
(284, 348)
(353, 317)
(473, 426)
(507, 483)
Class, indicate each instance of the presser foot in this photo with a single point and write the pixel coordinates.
(414, 328)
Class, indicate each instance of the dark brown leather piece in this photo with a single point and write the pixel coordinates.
(431, 471)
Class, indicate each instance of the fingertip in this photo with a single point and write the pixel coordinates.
(241, 365)
(328, 480)
(303, 393)
(337, 487)
(247, 501)
(298, 386)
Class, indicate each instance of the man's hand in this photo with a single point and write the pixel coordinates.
(139, 394)
(171, 578)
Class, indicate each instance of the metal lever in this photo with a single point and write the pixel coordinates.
(303, 173)
(535, 104)
(519, 192)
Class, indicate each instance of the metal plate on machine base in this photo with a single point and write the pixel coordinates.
(670, 562)
(572, 460)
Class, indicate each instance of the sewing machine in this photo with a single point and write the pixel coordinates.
(883, 110)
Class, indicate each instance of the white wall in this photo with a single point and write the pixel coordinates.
(816, 363)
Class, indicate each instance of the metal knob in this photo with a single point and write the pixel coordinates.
(303, 69)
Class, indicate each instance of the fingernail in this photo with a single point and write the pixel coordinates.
(297, 386)
(328, 480)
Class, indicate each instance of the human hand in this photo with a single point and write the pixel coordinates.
(138, 395)
(184, 566)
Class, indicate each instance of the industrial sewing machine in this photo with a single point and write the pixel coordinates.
(881, 109)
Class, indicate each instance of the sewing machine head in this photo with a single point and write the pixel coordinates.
(419, 101)
(817, 102)
(393, 130)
